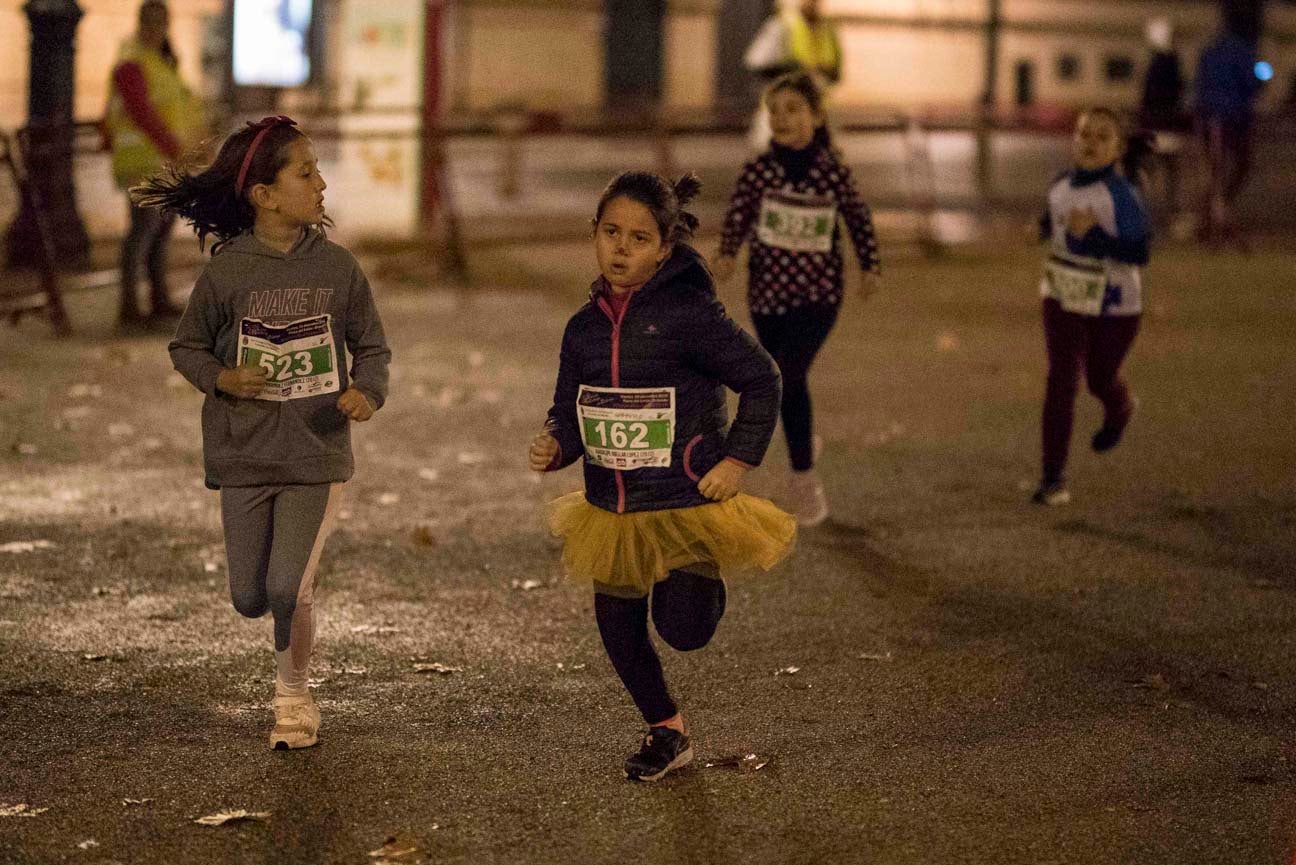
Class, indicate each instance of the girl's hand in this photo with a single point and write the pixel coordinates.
(544, 448)
(723, 268)
(1080, 221)
(723, 481)
(244, 382)
(870, 282)
(355, 405)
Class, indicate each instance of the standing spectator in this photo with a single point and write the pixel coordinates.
(797, 38)
(1162, 113)
(152, 119)
(1226, 89)
(1161, 107)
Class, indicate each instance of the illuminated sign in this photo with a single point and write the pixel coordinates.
(271, 42)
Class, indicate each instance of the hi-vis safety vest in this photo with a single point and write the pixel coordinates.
(813, 49)
(134, 156)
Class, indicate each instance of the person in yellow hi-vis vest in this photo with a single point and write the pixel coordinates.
(152, 120)
(797, 38)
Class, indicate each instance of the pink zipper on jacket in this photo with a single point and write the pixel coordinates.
(616, 377)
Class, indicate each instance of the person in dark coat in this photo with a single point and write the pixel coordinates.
(641, 398)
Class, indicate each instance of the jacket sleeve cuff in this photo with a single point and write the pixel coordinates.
(207, 378)
(742, 463)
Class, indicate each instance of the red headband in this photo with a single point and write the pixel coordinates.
(265, 124)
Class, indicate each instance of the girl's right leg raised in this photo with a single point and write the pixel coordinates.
(686, 608)
(273, 539)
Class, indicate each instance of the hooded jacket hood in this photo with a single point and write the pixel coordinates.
(311, 243)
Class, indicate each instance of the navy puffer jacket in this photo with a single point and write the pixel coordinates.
(673, 332)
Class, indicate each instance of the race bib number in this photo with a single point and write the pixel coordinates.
(1077, 289)
(797, 222)
(299, 358)
(627, 427)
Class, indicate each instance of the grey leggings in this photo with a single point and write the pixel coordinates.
(273, 540)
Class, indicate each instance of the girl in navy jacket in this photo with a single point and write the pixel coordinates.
(641, 397)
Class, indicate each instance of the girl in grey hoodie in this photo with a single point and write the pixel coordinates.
(266, 336)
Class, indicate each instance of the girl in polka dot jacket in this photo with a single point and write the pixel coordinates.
(786, 205)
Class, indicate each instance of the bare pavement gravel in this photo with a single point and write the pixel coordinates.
(977, 680)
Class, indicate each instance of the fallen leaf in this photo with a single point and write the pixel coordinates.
(526, 585)
(210, 567)
(1260, 686)
(88, 844)
(437, 667)
(947, 342)
(1154, 682)
(476, 359)
(787, 671)
(22, 809)
(130, 802)
(393, 848)
(220, 818)
(92, 657)
(375, 629)
(874, 656)
(423, 536)
(471, 458)
(387, 499)
(430, 475)
(741, 762)
(356, 671)
(26, 449)
(26, 546)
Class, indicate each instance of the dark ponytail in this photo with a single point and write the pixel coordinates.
(208, 199)
(1140, 147)
(664, 200)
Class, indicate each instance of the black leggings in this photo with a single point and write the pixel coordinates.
(793, 339)
(686, 608)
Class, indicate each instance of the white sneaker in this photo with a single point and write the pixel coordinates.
(809, 504)
(297, 720)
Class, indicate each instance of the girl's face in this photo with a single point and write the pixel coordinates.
(792, 120)
(1097, 142)
(297, 194)
(628, 244)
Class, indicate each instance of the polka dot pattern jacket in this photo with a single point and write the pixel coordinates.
(779, 279)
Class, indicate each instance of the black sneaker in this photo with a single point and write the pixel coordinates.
(663, 750)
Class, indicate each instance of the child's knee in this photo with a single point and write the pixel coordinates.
(251, 604)
(687, 608)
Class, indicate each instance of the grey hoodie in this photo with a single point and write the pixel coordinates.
(305, 440)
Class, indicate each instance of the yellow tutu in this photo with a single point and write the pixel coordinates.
(633, 551)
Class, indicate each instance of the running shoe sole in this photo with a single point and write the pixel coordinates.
(681, 760)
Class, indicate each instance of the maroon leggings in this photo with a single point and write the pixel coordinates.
(1100, 343)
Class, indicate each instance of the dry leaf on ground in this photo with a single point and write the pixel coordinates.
(26, 546)
(741, 762)
(220, 818)
(393, 848)
(437, 667)
(22, 809)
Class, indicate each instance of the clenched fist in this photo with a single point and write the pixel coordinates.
(355, 405)
(244, 382)
(544, 448)
(723, 481)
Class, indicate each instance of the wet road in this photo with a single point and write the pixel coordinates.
(979, 681)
